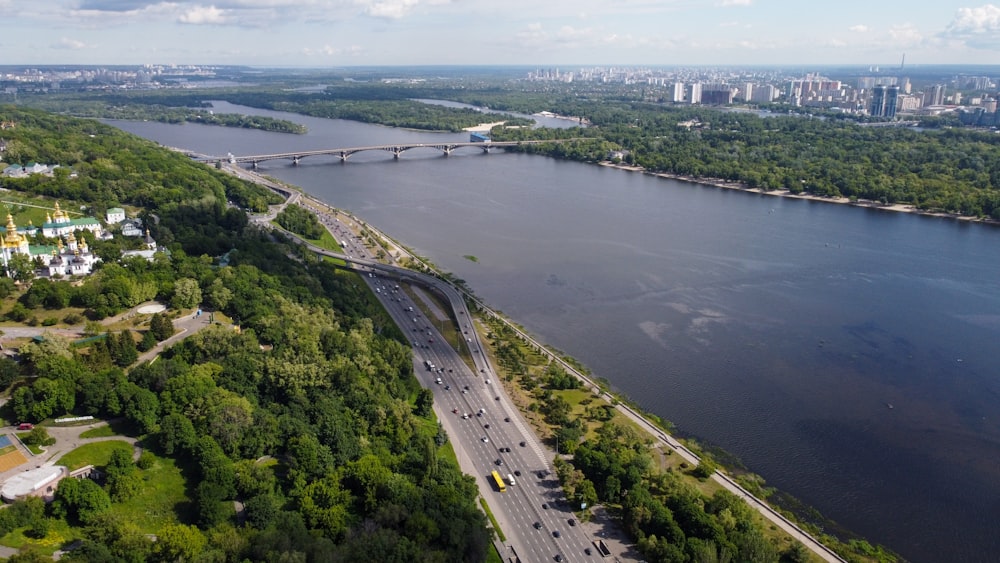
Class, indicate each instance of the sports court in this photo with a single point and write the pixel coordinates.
(10, 456)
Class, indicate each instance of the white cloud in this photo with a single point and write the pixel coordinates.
(200, 15)
(330, 51)
(976, 27)
(395, 9)
(72, 44)
(728, 3)
(905, 34)
(860, 28)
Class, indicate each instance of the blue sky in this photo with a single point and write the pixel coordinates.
(332, 33)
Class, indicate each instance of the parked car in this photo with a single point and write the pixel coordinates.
(25, 426)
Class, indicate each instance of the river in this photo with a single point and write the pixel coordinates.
(845, 354)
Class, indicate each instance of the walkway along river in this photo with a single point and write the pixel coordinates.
(777, 329)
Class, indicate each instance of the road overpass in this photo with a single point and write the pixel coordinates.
(396, 149)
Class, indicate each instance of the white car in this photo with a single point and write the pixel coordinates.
(485, 440)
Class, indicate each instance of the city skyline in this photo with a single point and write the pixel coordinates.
(317, 33)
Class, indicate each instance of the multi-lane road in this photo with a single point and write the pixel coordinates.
(484, 427)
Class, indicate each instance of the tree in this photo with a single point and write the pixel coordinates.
(122, 348)
(80, 499)
(21, 268)
(161, 327)
(9, 372)
(178, 542)
(187, 294)
(122, 479)
(38, 436)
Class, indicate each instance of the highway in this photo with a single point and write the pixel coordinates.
(478, 459)
(476, 413)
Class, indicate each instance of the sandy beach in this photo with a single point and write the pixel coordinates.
(483, 127)
(719, 183)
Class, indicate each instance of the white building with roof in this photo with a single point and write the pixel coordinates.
(115, 215)
(38, 482)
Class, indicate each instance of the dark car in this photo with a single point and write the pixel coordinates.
(555, 533)
(487, 425)
(558, 558)
(506, 419)
(545, 506)
(524, 444)
(572, 522)
(499, 461)
(517, 473)
(587, 550)
(538, 525)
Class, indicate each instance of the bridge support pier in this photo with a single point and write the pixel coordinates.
(295, 161)
(395, 154)
(253, 164)
(343, 156)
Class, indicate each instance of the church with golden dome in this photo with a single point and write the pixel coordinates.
(74, 258)
(59, 224)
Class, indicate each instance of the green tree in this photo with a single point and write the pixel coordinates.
(161, 327)
(122, 479)
(21, 268)
(178, 542)
(187, 294)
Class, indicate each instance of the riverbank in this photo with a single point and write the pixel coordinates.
(739, 186)
(483, 127)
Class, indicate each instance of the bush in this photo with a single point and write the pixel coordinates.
(38, 436)
(145, 461)
(73, 319)
(50, 321)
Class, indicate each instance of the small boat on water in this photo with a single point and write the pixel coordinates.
(889, 405)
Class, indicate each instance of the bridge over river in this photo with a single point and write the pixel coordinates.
(396, 149)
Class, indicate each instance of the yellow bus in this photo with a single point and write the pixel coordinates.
(499, 481)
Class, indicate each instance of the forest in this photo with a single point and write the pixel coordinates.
(308, 416)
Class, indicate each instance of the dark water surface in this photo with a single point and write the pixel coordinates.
(778, 329)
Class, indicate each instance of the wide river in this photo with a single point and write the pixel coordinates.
(847, 355)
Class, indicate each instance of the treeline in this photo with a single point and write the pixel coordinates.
(92, 106)
(955, 171)
(107, 167)
(384, 106)
(317, 377)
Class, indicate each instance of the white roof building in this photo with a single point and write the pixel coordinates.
(35, 482)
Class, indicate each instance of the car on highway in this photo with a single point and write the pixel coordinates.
(506, 419)
(486, 440)
(524, 444)
(587, 550)
(538, 525)
(558, 558)
(517, 473)
(498, 461)
(545, 506)
(555, 533)
(571, 522)
(486, 426)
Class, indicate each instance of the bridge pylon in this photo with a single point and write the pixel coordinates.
(295, 161)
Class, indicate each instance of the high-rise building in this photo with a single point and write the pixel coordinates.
(883, 101)
(764, 93)
(677, 93)
(934, 96)
(694, 93)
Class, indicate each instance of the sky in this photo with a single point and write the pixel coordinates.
(540, 33)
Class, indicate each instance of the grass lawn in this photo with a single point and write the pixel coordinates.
(99, 432)
(163, 499)
(60, 534)
(96, 453)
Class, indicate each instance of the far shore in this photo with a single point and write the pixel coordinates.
(720, 183)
